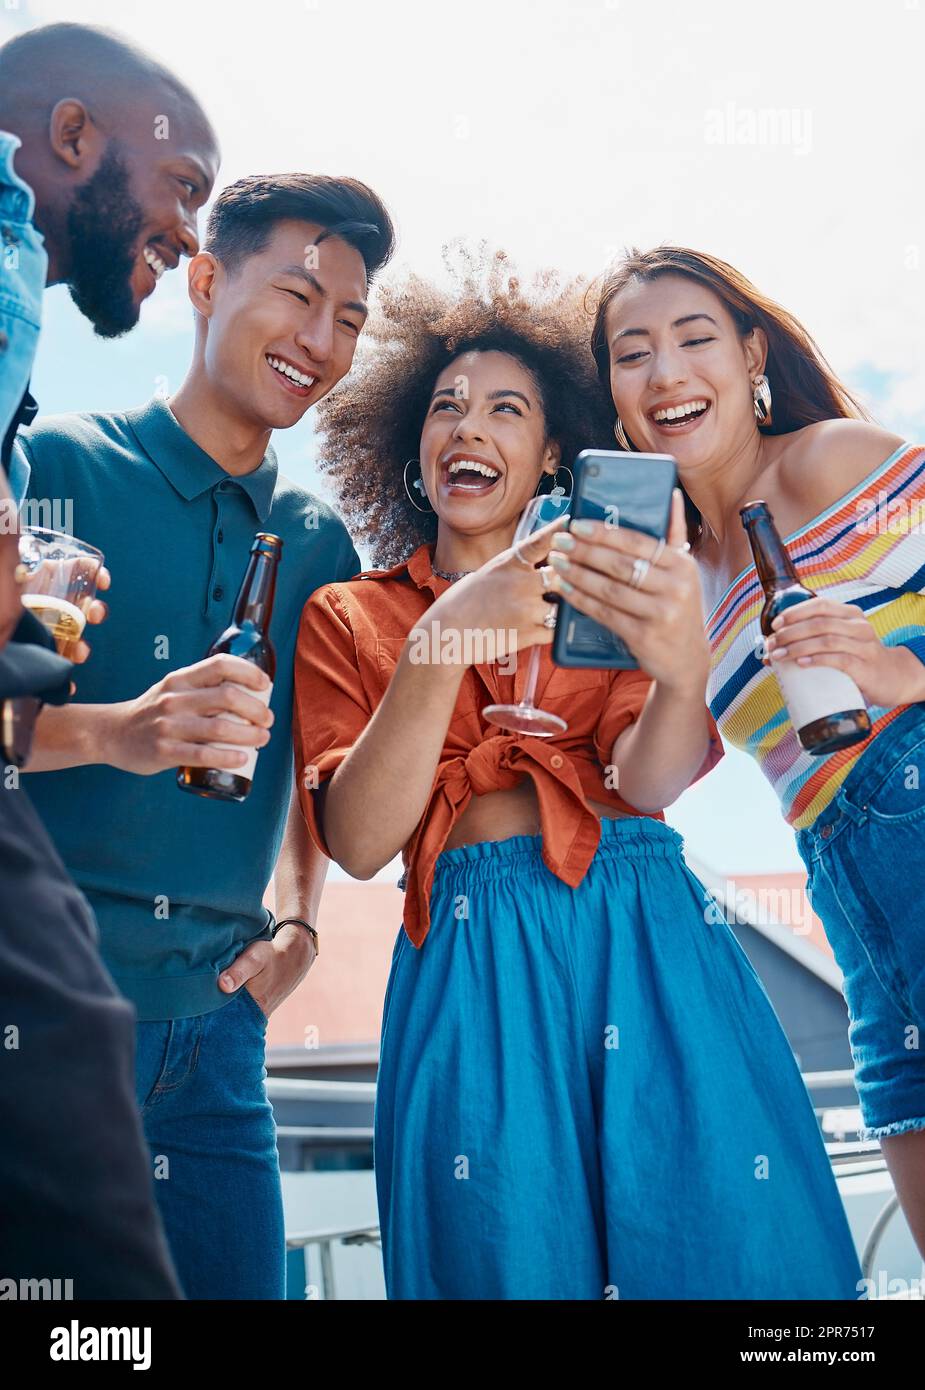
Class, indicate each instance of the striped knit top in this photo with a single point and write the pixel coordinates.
(867, 549)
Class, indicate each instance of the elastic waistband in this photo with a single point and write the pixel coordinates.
(899, 736)
(622, 837)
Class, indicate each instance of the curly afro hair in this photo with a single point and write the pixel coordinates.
(372, 422)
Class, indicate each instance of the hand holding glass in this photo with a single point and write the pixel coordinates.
(525, 718)
(59, 574)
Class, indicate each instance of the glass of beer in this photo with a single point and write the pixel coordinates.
(59, 583)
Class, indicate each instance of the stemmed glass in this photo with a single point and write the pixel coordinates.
(525, 718)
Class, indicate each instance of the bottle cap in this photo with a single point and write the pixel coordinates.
(752, 510)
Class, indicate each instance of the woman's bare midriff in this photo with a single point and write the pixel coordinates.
(498, 815)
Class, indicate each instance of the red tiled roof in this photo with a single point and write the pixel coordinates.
(785, 896)
(340, 999)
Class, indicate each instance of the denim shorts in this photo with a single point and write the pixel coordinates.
(865, 857)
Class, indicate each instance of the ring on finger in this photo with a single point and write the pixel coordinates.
(551, 616)
(640, 570)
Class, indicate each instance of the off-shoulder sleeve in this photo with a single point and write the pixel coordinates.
(330, 706)
(623, 706)
(895, 517)
(888, 549)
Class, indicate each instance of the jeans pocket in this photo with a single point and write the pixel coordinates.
(860, 904)
(152, 1043)
(254, 1006)
(900, 796)
(809, 887)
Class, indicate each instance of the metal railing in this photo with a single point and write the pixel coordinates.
(854, 1157)
(857, 1157)
(325, 1239)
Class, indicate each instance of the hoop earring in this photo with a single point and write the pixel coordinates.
(419, 484)
(761, 398)
(557, 490)
(621, 438)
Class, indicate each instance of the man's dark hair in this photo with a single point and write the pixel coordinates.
(245, 213)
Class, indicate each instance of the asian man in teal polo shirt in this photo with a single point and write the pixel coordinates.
(173, 494)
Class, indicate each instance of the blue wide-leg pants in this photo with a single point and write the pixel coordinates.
(585, 1093)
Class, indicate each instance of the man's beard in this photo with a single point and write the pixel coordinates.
(104, 222)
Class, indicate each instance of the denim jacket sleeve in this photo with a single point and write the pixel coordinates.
(23, 270)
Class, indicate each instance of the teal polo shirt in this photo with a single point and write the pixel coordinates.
(176, 881)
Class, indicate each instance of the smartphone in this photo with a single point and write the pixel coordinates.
(622, 489)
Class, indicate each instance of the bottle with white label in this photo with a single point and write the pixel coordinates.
(248, 636)
(825, 706)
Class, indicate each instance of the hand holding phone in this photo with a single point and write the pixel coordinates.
(644, 590)
(615, 490)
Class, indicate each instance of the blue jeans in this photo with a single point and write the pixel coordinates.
(212, 1139)
(585, 1093)
(865, 857)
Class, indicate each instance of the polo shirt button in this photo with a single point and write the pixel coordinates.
(825, 832)
(556, 760)
(218, 592)
(220, 537)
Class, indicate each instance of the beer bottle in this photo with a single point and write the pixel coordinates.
(249, 637)
(825, 706)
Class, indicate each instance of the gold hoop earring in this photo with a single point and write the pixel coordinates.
(418, 484)
(621, 438)
(557, 490)
(761, 399)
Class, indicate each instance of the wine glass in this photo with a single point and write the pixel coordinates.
(525, 718)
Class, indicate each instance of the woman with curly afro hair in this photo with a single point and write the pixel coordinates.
(582, 1085)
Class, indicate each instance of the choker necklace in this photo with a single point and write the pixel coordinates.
(459, 574)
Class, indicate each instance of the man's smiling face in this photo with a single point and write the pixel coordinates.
(134, 218)
(285, 321)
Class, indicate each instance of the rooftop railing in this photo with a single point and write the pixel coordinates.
(848, 1157)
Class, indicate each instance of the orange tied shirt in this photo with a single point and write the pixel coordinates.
(350, 639)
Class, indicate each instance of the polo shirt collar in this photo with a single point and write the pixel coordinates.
(189, 469)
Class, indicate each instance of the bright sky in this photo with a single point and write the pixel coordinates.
(787, 139)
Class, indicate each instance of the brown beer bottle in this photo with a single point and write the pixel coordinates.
(247, 637)
(825, 706)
